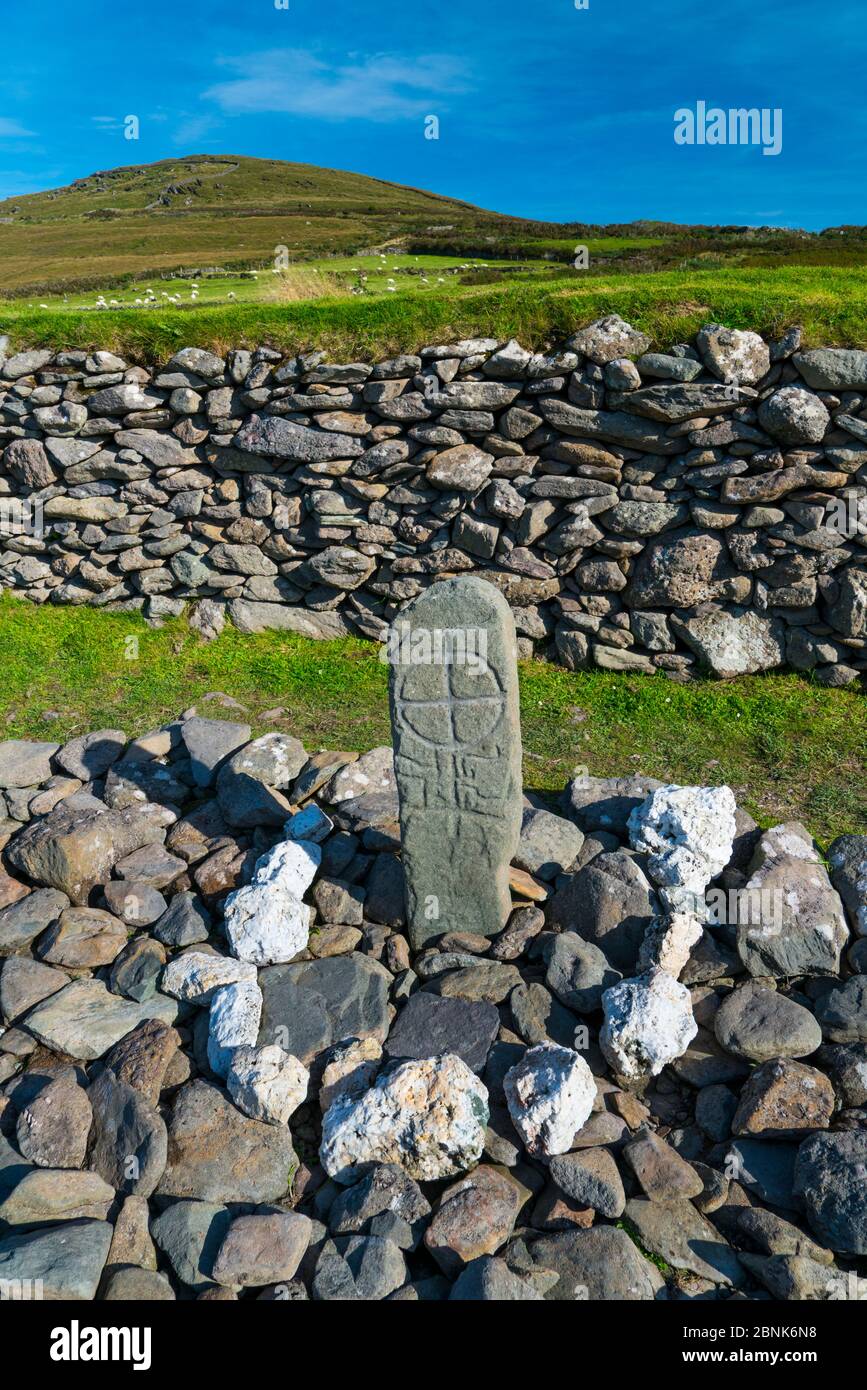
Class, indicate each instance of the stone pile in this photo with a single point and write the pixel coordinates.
(639, 510)
(227, 1071)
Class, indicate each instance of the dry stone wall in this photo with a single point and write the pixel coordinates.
(705, 507)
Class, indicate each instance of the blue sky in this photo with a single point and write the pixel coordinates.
(545, 110)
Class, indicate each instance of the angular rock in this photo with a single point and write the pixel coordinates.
(550, 1094)
(428, 1117)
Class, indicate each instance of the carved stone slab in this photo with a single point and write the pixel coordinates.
(457, 742)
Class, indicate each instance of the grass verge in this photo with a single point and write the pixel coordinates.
(788, 748)
(830, 303)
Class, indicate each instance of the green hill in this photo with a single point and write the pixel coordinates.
(204, 211)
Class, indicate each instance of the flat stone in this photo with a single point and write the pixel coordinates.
(833, 369)
(664, 1176)
(54, 1125)
(848, 859)
(475, 1217)
(312, 1005)
(591, 1178)
(25, 764)
(766, 1169)
(599, 1264)
(67, 1259)
(782, 1098)
(25, 982)
(829, 1178)
(135, 902)
(429, 1025)
(732, 642)
(216, 1154)
(190, 1235)
(681, 1236)
(83, 938)
(185, 922)
(209, 743)
(132, 1285)
(262, 1249)
(790, 919)
(579, 973)
(548, 845)
(83, 1020)
(75, 849)
(610, 903)
(842, 1012)
(91, 755)
(142, 1058)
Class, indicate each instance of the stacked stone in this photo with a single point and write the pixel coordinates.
(639, 510)
(228, 1069)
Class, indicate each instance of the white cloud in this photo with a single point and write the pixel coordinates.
(12, 130)
(373, 87)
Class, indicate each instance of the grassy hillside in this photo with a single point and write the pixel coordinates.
(224, 211)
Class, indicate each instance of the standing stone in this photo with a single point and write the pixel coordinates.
(457, 739)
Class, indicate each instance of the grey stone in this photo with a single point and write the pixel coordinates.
(842, 1012)
(22, 922)
(216, 1154)
(91, 755)
(83, 1020)
(760, 1024)
(458, 763)
(610, 903)
(429, 1025)
(833, 369)
(67, 1259)
(681, 1236)
(549, 844)
(595, 1265)
(209, 743)
(829, 1177)
(190, 1235)
(54, 1124)
(310, 1006)
(847, 857)
(591, 1179)
(129, 1142)
(732, 642)
(579, 972)
(25, 764)
(25, 982)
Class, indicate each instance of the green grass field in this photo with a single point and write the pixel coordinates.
(830, 303)
(789, 749)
